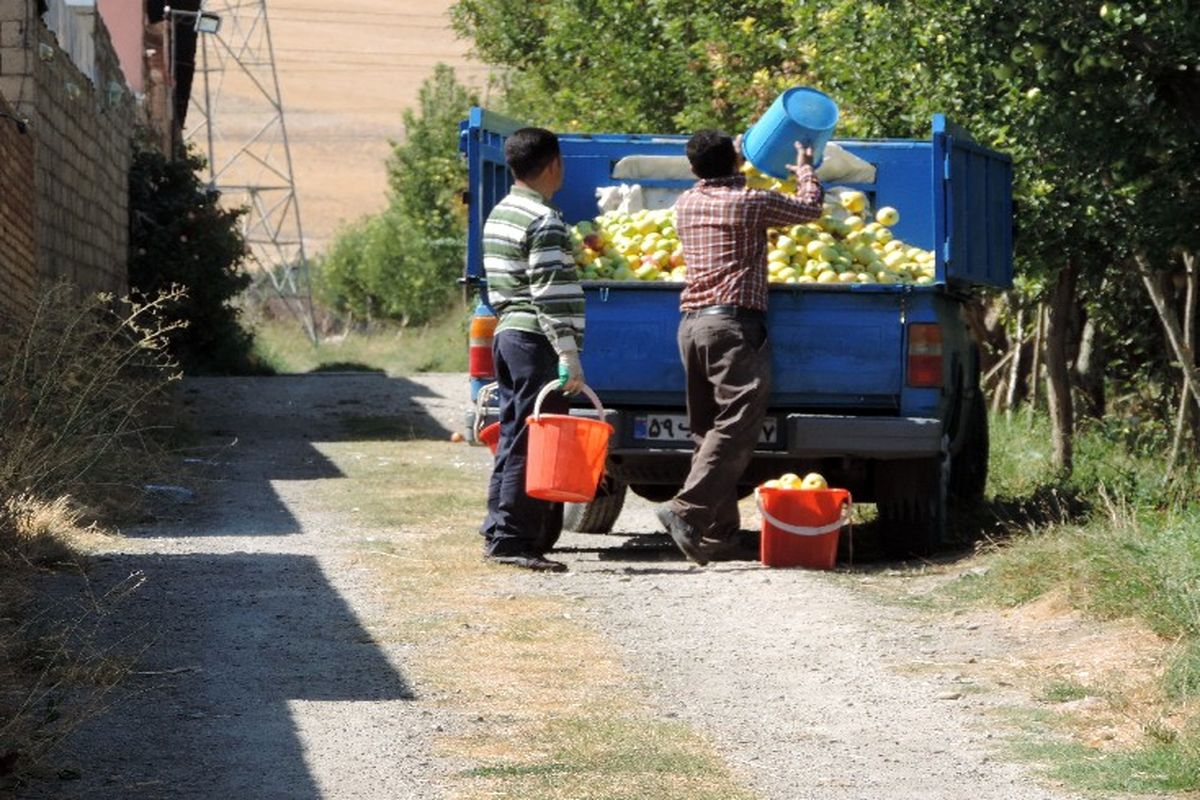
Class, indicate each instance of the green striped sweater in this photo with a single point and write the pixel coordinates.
(531, 278)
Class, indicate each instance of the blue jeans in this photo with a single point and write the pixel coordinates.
(517, 524)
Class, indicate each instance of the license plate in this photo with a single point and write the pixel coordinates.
(674, 428)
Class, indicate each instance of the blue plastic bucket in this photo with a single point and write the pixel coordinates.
(800, 115)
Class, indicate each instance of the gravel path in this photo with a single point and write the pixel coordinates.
(264, 679)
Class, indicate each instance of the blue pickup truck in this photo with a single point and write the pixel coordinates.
(875, 386)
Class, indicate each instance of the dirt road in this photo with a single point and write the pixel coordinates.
(300, 642)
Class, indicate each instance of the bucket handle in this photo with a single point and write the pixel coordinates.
(552, 385)
(804, 530)
(481, 402)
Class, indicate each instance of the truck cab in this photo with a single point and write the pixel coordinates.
(876, 386)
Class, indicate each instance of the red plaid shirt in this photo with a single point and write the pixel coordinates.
(723, 225)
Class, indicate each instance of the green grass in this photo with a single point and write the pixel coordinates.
(440, 346)
(1063, 691)
(1160, 766)
(1117, 544)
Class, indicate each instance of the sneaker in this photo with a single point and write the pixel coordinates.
(686, 537)
(534, 563)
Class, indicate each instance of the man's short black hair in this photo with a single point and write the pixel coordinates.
(711, 154)
(528, 151)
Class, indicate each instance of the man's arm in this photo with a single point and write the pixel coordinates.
(804, 206)
(554, 285)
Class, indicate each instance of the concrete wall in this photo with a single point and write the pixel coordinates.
(18, 265)
(82, 134)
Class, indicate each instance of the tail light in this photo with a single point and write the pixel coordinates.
(924, 355)
(479, 349)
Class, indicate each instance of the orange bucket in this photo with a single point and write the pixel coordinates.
(490, 435)
(801, 526)
(566, 453)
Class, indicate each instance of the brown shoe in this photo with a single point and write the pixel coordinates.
(686, 537)
(534, 563)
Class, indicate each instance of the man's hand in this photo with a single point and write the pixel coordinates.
(804, 158)
(570, 373)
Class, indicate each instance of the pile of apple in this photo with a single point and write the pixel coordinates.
(813, 480)
(844, 246)
(641, 245)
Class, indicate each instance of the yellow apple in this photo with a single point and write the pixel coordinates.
(887, 216)
(854, 202)
(814, 480)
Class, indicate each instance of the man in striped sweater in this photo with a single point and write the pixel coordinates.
(533, 287)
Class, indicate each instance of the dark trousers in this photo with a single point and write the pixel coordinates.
(728, 366)
(517, 524)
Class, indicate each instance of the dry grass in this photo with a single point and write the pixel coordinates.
(78, 383)
(556, 714)
(58, 666)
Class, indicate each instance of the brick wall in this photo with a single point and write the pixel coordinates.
(82, 134)
(18, 267)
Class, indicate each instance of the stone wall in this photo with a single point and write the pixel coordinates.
(82, 134)
(18, 265)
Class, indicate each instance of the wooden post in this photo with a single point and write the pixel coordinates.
(1189, 338)
(1035, 370)
(1014, 377)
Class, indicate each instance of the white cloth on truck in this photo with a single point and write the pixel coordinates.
(839, 165)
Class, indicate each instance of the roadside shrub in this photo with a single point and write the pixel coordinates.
(181, 237)
(79, 390)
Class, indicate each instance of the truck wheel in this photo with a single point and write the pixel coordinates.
(911, 500)
(969, 459)
(601, 514)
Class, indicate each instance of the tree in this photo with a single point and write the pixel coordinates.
(1096, 103)
(402, 263)
(180, 236)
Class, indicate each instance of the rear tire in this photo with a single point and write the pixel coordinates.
(911, 500)
(969, 459)
(601, 513)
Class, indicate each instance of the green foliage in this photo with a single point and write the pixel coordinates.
(402, 263)
(181, 237)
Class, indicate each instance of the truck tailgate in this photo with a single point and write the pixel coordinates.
(831, 350)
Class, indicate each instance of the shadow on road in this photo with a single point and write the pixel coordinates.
(237, 646)
(255, 431)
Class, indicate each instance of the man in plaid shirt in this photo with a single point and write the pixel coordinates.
(723, 342)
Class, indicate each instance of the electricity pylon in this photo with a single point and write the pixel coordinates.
(236, 116)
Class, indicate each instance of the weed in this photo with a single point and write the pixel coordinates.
(78, 385)
(1063, 691)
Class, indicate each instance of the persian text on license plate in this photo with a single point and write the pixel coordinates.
(674, 428)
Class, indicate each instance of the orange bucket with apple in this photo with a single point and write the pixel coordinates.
(801, 527)
(566, 452)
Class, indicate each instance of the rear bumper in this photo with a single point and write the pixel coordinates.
(811, 436)
(820, 436)
(808, 436)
